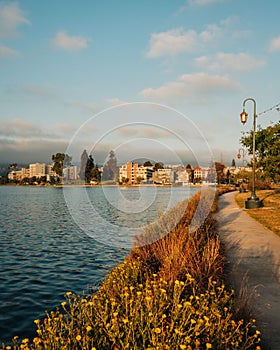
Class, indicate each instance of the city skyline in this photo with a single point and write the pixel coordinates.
(164, 80)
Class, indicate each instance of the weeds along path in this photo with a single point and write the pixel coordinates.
(253, 256)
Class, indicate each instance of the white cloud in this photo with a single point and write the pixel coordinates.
(172, 42)
(11, 17)
(6, 52)
(195, 86)
(229, 62)
(115, 101)
(275, 44)
(69, 43)
(175, 41)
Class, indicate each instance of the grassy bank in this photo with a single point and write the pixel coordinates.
(167, 294)
(269, 215)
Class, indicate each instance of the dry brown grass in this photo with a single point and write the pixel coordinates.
(192, 247)
(269, 215)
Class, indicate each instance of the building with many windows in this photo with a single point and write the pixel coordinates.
(70, 173)
(164, 176)
(37, 170)
(133, 173)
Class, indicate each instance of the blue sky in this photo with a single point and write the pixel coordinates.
(151, 78)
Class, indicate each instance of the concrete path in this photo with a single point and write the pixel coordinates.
(253, 253)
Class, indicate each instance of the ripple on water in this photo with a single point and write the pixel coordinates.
(44, 254)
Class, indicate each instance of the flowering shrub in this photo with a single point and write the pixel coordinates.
(167, 295)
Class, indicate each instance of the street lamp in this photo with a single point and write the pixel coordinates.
(253, 201)
(241, 153)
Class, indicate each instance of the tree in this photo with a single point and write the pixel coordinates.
(83, 164)
(147, 163)
(267, 150)
(88, 168)
(233, 163)
(13, 166)
(58, 160)
(110, 169)
(95, 174)
(219, 171)
(158, 165)
(190, 172)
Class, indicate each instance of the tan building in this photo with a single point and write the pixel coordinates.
(163, 176)
(133, 173)
(37, 170)
(18, 175)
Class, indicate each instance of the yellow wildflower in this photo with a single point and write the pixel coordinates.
(208, 346)
(157, 330)
(183, 346)
(78, 337)
(26, 340)
(89, 328)
(63, 303)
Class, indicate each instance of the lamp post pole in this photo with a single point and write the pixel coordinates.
(241, 153)
(253, 201)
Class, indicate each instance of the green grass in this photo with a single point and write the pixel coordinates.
(269, 215)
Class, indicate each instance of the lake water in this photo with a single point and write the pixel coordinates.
(54, 240)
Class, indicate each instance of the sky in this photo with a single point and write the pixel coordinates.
(157, 79)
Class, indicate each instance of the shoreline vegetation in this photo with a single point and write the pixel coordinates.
(169, 294)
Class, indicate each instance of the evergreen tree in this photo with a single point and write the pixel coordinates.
(88, 168)
(83, 164)
(110, 169)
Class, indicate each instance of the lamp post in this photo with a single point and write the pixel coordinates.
(253, 201)
(241, 153)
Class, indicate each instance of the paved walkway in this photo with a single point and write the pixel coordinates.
(253, 252)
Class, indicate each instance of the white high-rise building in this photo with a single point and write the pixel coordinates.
(37, 170)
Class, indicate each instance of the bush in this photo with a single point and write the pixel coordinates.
(167, 294)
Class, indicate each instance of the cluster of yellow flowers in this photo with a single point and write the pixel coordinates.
(136, 308)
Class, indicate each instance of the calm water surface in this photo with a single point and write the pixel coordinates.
(44, 252)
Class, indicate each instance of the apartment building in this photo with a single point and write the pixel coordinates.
(37, 170)
(182, 176)
(18, 175)
(164, 176)
(133, 173)
(70, 173)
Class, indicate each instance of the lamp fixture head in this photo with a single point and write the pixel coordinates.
(243, 117)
